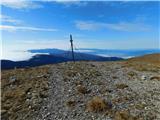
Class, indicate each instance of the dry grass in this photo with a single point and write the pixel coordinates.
(97, 104)
(140, 106)
(114, 77)
(70, 103)
(142, 66)
(81, 89)
(150, 58)
(149, 62)
(155, 78)
(71, 73)
(132, 74)
(124, 115)
(94, 72)
(31, 81)
(121, 86)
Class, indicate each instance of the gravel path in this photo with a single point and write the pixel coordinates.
(122, 87)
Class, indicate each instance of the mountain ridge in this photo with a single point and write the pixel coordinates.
(43, 59)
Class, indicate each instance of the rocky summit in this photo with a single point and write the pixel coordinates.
(123, 90)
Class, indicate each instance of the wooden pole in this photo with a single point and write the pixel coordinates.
(72, 48)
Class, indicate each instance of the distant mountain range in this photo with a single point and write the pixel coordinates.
(53, 56)
(102, 52)
(128, 53)
(79, 55)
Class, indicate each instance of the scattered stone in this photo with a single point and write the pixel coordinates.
(39, 76)
(12, 79)
(143, 77)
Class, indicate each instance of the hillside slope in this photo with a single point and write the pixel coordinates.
(83, 91)
(150, 58)
(150, 62)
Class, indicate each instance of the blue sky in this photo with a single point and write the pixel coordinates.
(110, 25)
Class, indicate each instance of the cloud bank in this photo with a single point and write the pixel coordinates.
(121, 26)
(20, 4)
(24, 28)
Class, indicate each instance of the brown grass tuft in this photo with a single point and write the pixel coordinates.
(155, 78)
(81, 89)
(131, 74)
(121, 86)
(97, 104)
(124, 115)
(114, 77)
(70, 103)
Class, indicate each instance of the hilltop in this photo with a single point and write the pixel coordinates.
(121, 90)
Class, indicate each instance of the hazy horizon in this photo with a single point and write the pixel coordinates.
(123, 53)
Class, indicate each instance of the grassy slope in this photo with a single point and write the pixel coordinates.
(150, 62)
(150, 58)
(23, 90)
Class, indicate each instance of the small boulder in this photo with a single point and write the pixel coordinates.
(143, 77)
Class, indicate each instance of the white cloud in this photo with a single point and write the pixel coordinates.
(28, 4)
(121, 26)
(88, 25)
(24, 28)
(20, 4)
(126, 26)
(9, 19)
(72, 3)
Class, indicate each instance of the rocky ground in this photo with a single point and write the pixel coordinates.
(127, 90)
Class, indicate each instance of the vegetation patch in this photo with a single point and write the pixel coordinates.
(132, 74)
(114, 77)
(82, 89)
(155, 78)
(121, 86)
(124, 115)
(140, 106)
(70, 103)
(22, 91)
(97, 104)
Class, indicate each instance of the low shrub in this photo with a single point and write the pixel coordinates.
(97, 104)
